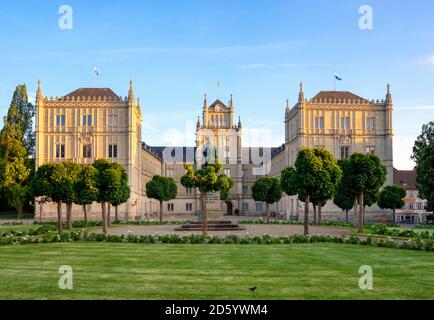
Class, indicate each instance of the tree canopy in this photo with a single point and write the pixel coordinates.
(423, 155)
(313, 178)
(161, 189)
(392, 197)
(207, 179)
(268, 190)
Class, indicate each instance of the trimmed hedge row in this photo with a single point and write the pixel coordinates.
(230, 239)
(380, 229)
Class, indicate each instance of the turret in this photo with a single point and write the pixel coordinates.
(239, 123)
(231, 112)
(39, 96)
(131, 94)
(205, 112)
(301, 94)
(198, 123)
(388, 95)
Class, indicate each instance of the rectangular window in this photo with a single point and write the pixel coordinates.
(258, 207)
(345, 152)
(188, 190)
(113, 150)
(245, 173)
(60, 151)
(245, 189)
(370, 149)
(87, 151)
(245, 206)
(188, 207)
(170, 173)
(228, 172)
(345, 123)
(170, 207)
(370, 123)
(60, 120)
(87, 120)
(319, 122)
(113, 120)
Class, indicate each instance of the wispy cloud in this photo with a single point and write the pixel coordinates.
(222, 51)
(427, 60)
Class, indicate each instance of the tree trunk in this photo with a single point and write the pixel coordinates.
(319, 213)
(268, 212)
(116, 214)
(108, 213)
(204, 214)
(59, 218)
(161, 212)
(394, 216)
(85, 212)
(41, 205)
(360, 224)
(346, 215)
(69, 215)
(104, 218)
(314, 213)
(355, 210)
(19, 209)
(306, 215)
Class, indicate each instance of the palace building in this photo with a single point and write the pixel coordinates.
(92, 123)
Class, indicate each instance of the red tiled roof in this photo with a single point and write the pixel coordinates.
(405, 178)
(92, 92)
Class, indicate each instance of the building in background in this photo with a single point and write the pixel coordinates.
(414, 210)
(92, 123)
(340, 122)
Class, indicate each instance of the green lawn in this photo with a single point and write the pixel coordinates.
(137, 271)
(20, 227)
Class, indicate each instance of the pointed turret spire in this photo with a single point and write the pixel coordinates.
(231, 102)
(131, 93)
(239, 123)
(287, 105)
(39, 97)
(301, 93)
(205, 102)
(198, 122)
(388, 95)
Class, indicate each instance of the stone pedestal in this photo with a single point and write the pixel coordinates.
(214, 206)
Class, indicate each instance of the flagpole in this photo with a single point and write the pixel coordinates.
(334, 82)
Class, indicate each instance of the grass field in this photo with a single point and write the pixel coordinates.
(137, 271)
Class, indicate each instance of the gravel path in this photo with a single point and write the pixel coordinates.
(251, 230)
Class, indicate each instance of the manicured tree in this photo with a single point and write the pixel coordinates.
(86, 191)
(69, 197)
(392, 197)
(363, 174)
(161, 189)
(288, 182)
(343, 200)
(104, 183)
(51, 183)
(122, 196)
(109, 179)
(315, 170)
(206, 179)
(328, 179)
(119, 192)
(423, 155)
(267, 190)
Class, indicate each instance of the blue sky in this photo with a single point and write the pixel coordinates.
(175, 51)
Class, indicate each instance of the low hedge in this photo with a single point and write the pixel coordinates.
(200, 239)
(380, 229)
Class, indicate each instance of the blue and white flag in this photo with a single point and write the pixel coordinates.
(95, 70)
(337, 77)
